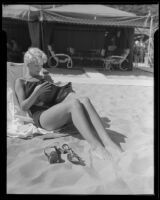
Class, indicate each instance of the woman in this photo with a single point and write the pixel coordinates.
(136, 52)
(112, 47)
(13, 51)
(51, 116)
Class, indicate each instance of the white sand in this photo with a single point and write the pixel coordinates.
(125, 111)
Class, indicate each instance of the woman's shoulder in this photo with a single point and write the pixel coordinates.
(30, 79)
(20, 81)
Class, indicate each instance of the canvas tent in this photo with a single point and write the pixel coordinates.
(79, 26)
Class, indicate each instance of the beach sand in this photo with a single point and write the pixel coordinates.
(125, 111)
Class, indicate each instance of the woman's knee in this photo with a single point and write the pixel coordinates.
(70, 97)
(75, 103)
(85, 100)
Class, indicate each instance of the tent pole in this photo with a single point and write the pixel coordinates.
(41, 24)
(149, 41)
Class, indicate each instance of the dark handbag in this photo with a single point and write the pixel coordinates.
(63, 92)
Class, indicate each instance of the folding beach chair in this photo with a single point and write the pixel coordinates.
(14, 71)
(55, 59)
(118, 60)
(76, 56)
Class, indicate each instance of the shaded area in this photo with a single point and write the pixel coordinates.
(116, 137)
(68, 72)
(70, 130)
(135, 73)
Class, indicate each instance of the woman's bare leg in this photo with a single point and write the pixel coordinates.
(60, 114)
(96, 120)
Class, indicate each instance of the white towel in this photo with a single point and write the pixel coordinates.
(19, 124)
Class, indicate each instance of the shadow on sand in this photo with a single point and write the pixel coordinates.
(134, 73)
(116, 137)
(70, 130)
(69, 72)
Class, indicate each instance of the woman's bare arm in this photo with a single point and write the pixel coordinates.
(48, 78)
(25, 104)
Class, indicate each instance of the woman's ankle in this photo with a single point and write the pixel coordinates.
(95, 147)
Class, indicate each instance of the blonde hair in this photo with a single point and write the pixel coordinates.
(35, 56)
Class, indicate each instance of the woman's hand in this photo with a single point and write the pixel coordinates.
(43, 88)
(48, 78)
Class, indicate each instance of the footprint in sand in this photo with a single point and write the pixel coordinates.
(30, 169)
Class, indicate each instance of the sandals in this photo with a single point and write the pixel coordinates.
(55, 155)
(72, 156)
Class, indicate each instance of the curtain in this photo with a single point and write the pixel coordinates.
(18, 31)
(35, 34)
(47, 36)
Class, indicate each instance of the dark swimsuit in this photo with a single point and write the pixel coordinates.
(36, 110)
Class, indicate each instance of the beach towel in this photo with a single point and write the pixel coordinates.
(19, 124)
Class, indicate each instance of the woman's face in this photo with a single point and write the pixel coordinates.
(34, 69)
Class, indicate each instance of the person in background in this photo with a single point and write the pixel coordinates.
(106, 42)
(9, 51)
(142, 50)
(112, 47)
(15, 46)
(136, 52)
(14, 53)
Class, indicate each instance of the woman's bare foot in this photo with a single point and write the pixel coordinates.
(108, 155)
(102, 153)
(98, 153)
(110, 144)
(117, 153)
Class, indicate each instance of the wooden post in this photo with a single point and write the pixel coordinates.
(131, 45)
(149, 41)
(41, 26)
